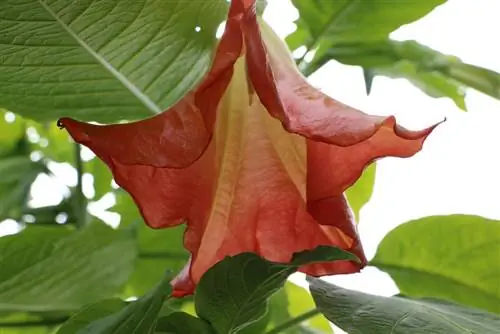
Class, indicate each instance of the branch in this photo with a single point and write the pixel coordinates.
(81, 201)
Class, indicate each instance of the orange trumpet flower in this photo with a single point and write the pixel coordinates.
(252, 160)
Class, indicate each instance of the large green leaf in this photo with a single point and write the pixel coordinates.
(360, 313)
(51, 269)
(233, 294)
(325, 23)
(453, 257)
(138, 317)
(361, 191)
(436, 74)
(103, 60)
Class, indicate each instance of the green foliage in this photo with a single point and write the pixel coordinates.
(323, 24)
(109, 60)
(436, 74)
(361, 313)
(103, 60)
(357, 33)
(53, 269)
(234, 293)
(293, 301)
(227, 300)
(450, 257)
(182, 323)
(361, 191)
(18, 174)
(91, 313)
(158, 249)
(331, 22)
(138, 317)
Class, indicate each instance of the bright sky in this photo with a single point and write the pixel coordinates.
(457, 170)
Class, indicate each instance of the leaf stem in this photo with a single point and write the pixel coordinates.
(35, 323)
(81, 201)
(294, 321)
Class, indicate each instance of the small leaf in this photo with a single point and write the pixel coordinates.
(233, 294)
(360, 192)
(182, 323)
(138, 317)
(423, 259)
(361, 313)
(51, 269)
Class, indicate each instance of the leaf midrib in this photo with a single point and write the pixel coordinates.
(134, 90)
(331, 20)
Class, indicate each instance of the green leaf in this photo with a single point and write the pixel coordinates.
(326, 23)
(360, 313)
(90, 313)
(436, 74)
(102, 177)
(137, 318)
(159, 249)
(50, 269)
(450, 257)
(233, 294)
(360, 192)
(182, 323)
(103, 60)
(408, 59)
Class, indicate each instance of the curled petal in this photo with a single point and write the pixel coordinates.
(302, 108)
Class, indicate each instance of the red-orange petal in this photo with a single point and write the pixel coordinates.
(178, 136)
(249, 187)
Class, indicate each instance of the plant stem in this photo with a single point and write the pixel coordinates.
(81, 201)
(35, 323)
(294, 322)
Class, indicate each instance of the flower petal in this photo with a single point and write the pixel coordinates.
(302, 108)
(258, 200)
(178, 136)
(250, 185)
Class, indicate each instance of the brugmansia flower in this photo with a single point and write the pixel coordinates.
(253, 160)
